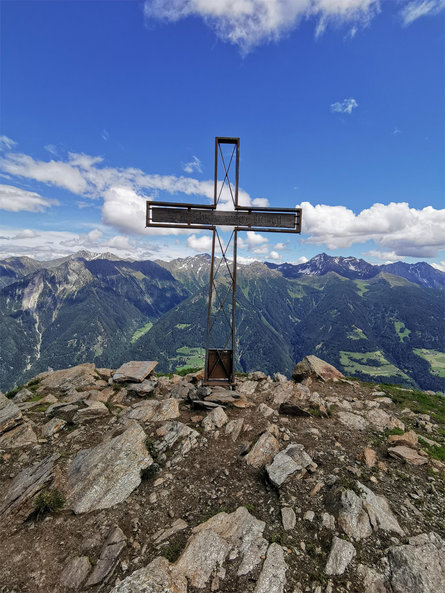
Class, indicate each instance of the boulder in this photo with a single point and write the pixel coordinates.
(263, 450)
(153, 410)
(10, 415)
(107, 474)
(408, 455)
(22, 396)
(341, 554)
(142, 389)
(134, 372)
(408, 439)
(158, 577)
(75, 572)
(27, 484)
(109, 556)
(285, 463)
(52, 427)
(272, 578)
(18, 437)
(80, 376)
(418, 566)
(173, 432)
(315, 368)
(352, 421)
(215, 419)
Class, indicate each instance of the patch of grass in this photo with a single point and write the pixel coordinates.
(402, 331)
(12, 392)
(435, 359)
(37, 397)
(435, 451)
(250, 507)
(347, 483)
(277, 537)
(48, 501)
(174, 549)
(141, 331)
(182, 371)
(417, 401)
(369, 363)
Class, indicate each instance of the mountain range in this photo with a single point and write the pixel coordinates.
(376, 322)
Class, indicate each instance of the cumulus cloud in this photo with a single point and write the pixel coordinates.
(345, 106)
(15, 199)
(119, 242)
(386, 256)
(121, 189)
(275, 255)
(394, 227)
(200, 244)
(418, 8)
(193, 165)
(279, 246)
(6, 143)
(25, 234)
(252, 22)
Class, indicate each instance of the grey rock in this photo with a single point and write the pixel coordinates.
(27, 484)
(279, 378)
(10, 415)
(351, 420)
(134, 372)
(52, 427)
(341, 554)
(263, 451)
(419, 566)
(154, 410)
(408, 455)
(272, 578)
(82, 376)
(106, 475)
(234, 427)
(265, 411)
(381, 420)
(314, 367)
(94, 410)
(287, 462)
(109, 556)
(379, 512)
(75, 572)
(373, 581)
(223, 397)
(20, 436)
(352, 517)
(158, 577)
(174, 431)
(142, 389)
(288, 518)
(22, 396)
(214, 419)
(204, 405)
(204, 552)
(60, 410)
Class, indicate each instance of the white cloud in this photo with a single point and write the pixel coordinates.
(200, 244)
(6, 143)
(15, 199)
(386, 256)
(419, 8)
(280, 246)
(105, 135)
(25, 234)
(275, 255)
(193, 165)
(119, 242)
(345, 106)
(121, 189)
(302, 260)
(439, 266)
(248, 23)
(51, 149)
(395, 227)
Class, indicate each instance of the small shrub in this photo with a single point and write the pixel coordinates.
(173, 550)
(48, 501)
(150, 472)
(12, 392)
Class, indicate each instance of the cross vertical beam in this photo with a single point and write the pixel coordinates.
(221, 333)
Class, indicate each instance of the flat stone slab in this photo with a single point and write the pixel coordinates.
(10, 415)
(135, 371)
(107, 474)
(109, 556)
(20, 436)
(287, 462)
(263, 450)
(341, 554)
(27, 483)
(407, 454)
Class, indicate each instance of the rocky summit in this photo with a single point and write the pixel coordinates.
(127, 481)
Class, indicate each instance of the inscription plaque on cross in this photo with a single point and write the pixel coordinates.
(221, 336)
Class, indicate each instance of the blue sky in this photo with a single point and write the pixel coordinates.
(339, 106)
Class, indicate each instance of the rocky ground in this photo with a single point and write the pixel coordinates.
(129, 482)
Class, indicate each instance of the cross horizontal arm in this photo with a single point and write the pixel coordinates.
(193, 216)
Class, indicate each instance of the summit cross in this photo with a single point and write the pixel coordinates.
(221, 336)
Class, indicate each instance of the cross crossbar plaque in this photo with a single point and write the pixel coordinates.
(219, 362)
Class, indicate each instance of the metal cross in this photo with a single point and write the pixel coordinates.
(220, 342)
